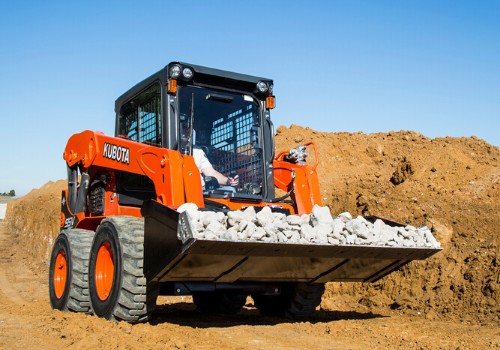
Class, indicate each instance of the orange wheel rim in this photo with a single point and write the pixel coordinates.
(60, 270)
(104, 271)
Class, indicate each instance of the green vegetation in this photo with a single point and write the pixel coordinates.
(12, 193)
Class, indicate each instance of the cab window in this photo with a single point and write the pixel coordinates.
(140, 118)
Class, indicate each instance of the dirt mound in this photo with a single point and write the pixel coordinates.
(448, 184)
(35, 219)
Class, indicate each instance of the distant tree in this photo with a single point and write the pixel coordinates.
(12, 193)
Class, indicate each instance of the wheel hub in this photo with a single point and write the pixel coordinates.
(60, 271)
(104, 271)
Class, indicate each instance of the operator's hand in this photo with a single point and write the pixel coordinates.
(233, 181)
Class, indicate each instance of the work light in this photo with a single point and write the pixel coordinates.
(262, 86)
(187, 73)
(175, 71)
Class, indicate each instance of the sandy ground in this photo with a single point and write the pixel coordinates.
(27, 321)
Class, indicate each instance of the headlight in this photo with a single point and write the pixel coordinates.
(187, 73)
(271, 87)
(175, 71)
(262, 86)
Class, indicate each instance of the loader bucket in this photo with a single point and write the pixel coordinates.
(173, 254)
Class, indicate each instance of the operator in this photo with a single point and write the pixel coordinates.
(204, 164)
(207, 169)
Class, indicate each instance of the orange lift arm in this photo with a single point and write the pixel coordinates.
(306, 192)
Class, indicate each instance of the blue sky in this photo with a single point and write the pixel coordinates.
(372, 66)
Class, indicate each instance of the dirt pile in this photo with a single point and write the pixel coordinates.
(35, 219)
(448, 184)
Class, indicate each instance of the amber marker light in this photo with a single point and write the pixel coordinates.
(270, 102)
(172, 86)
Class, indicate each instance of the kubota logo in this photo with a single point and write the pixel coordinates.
(118, 153)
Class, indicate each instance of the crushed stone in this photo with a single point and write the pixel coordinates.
(317, 228)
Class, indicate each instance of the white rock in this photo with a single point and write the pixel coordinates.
(216, 227)
(264, 216)
(306, 219)
(197, 226)
(240, 235)
(210, 235)
(345, 217)
(295, 237)
(357, 227)
(320, 215)
(208, 216)
(294, 220)
(249, 214)
(289, 233)
(282, 238)
(431, 240)
(259, 233)
(322, 231)
(337, 227)
(221, 218)
(402, 232)
(192, 210)
(243, 225)
(279, 216)
(227, 236)
(307, 233)
(249, 229)
(351, 238)
(234, 217)
(334, 241)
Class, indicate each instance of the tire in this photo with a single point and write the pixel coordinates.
(117, 285)
(297, 300)
(68, 271)
(219, 303)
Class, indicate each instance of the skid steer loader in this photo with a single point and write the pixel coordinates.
(123, 241)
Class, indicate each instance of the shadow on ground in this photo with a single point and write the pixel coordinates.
(185, 314)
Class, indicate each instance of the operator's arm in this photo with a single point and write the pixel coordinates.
(223, 181)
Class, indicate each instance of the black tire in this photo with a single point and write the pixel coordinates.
(75, 245)
(219, 303)
(129, 298)
(296, 301)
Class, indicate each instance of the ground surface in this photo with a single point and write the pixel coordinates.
(450, 301)
(28, 322)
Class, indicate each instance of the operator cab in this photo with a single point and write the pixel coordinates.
(195, 109)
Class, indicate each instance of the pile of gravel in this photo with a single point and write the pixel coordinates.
(317, 228)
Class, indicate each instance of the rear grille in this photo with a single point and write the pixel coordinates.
(96, 200)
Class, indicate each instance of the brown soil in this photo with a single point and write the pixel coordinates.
(450, 301)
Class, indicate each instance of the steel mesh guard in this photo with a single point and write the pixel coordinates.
(234, 152)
